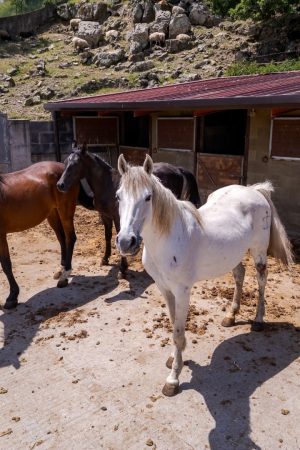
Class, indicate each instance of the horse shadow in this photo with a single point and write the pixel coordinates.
(138, 283)
(21, 325)
(239, 365)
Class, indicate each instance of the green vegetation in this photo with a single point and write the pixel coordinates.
(13, 7)
(249, 68)
(254, 9)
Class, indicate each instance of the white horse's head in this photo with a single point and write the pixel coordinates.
(135, 204)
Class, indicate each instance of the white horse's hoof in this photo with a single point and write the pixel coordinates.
(57, 275)
(228, 322)
(169, 390)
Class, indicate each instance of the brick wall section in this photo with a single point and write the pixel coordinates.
(284, 174)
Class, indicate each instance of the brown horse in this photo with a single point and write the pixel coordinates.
(104, 182)
(27, 197)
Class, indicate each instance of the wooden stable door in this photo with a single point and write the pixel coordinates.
(175, 141)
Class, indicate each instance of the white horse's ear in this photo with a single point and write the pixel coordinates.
(148, 165)
(122, 165)
(74, 145)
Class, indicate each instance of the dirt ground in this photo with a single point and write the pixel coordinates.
(83, 367)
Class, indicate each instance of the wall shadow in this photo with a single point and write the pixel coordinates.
(238, 366)
(21, 325)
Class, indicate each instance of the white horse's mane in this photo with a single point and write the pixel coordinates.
(166, 207)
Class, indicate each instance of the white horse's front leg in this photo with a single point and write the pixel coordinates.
(182, 298)
(170, 300)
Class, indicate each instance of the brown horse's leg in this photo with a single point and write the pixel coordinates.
(66, 213)
(107, 222)
(56, 225)
(12, 299)
(124, 263)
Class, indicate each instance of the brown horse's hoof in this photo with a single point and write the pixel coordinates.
(257, 326)
(104, 262)
(170, 362)
(228, 322)
(63, 283)
(169, 390)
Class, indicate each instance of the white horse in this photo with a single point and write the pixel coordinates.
(183, 245)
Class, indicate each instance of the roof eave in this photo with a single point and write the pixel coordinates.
(236, 102)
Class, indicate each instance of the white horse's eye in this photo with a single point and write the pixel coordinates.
(117, 198)
(148, 198)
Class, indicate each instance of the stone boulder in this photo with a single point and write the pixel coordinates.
(176, 45)
(93, 12)
(46, 93)
(92, 32)
(67, 11)
(179, 24)
(142, 66)
(139, 38)
(137, 13)
(108, 59)
(148, 12)
(199, 14)
(161, 22)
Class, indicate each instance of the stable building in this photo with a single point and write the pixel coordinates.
(229, 130)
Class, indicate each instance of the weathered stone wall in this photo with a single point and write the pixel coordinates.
(28, 22)
(284, 174)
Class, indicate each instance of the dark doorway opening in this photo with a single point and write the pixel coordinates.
(224, 132)
(134, 130)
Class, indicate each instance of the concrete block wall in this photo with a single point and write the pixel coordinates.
(19, 144)
(4, 145)
(42, 141)
(284, 174)
(65, 132)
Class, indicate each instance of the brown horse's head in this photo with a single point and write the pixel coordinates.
(73, 168)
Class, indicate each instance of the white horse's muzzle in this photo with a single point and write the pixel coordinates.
(128, 244)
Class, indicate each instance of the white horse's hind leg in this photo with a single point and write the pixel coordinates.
(239, 275)
(261, 275)
(181, 311)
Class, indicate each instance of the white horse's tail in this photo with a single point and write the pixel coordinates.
(279, 245)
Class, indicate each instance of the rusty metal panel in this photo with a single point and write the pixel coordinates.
(216, 171)
(96, 130)
(134, 155)
(176, 133)
(285, 137)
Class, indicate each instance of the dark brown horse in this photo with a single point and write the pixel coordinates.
(27, 197)
(104, 182)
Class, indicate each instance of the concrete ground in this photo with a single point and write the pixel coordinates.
(83, 367)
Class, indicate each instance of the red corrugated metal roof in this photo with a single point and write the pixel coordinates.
(262, 88)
